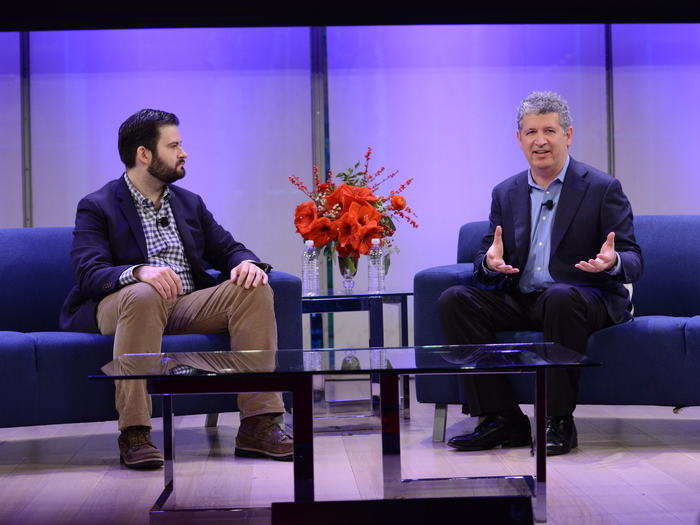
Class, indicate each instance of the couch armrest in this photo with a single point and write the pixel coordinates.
(287, 289)
(427, 287)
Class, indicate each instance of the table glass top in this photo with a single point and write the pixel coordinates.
(341, 292)
(514, 357)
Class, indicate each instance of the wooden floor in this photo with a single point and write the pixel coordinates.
(636, 465)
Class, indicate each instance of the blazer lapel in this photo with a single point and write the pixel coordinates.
(179, 214)
(519, 197)
(572, 193)
(126, 203)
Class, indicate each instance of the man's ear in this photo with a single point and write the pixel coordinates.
(143, 155)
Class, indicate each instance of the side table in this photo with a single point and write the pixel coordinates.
(335, 301)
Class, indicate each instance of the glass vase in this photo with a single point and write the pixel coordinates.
(348, 269)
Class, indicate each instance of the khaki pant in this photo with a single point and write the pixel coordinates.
(138, 316)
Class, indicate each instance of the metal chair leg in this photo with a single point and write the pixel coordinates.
(439, 422)
(212, 420)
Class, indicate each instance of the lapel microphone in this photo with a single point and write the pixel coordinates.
(164, 221)
(547, 204)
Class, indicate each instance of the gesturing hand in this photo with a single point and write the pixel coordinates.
(605, 260)
(494, 255)
(247, 274)
(166, 282)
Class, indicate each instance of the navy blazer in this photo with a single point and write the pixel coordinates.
(591, 205)
(108, 238)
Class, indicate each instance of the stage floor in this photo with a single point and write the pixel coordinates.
(635, 464)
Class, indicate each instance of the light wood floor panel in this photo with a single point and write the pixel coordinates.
(635, 464)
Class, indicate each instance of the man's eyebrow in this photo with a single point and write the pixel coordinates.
(174, 143)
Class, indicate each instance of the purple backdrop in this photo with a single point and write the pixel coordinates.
(242, 96)
(10, 133)
(657, 116)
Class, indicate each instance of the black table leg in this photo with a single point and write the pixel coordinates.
(316, 327)
(404, 321)
(302, 403)
(168, 453)
(405, 384)
(376, 322)
(540, 507)
(391, 433)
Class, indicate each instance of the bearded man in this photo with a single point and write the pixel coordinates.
(140, 249)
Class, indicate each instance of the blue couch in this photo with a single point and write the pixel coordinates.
(654, 359)
(44, 372)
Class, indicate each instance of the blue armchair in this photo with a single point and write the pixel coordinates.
(654, 359)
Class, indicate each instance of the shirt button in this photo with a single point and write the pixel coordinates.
(539, 268)
(547, 192)
(544, 217)
(539, 244)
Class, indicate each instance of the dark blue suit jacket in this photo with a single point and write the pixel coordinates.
(591, 205)
(108, 238)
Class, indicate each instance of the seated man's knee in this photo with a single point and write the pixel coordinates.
(455, 297)
(560, 295)
(261, 293)
(141, 296)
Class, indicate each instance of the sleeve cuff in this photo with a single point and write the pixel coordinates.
(127, 276)
(618, 267)
(488, 271)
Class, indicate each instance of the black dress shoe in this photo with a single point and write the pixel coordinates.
(561, 435)
(495, 431)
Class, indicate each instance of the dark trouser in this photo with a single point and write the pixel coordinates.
(567, 314)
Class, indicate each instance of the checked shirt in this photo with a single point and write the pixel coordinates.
(163, 243)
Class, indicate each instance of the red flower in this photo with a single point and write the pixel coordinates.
(345, 195)
(398, 202)
(326, 187)
(364, 213)
(347, 228)
(304, 215)
(371, 231)
(320, 231)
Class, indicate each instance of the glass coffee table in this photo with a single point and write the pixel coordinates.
(216, 372)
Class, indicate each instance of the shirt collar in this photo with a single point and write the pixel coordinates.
(560, 177)
(138, 197)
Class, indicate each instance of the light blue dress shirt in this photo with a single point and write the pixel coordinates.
(536, 275)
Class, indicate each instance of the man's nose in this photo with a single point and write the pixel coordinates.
(183, 154)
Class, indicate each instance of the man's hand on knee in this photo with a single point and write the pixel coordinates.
(247, 274)
(165, 281)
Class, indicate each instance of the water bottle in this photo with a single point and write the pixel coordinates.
(376, 267)
(310, 284)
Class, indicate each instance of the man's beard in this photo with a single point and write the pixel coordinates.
(163, 173)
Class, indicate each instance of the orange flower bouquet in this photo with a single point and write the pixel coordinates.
(345, 217)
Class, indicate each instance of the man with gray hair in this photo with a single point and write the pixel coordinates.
(559, 249)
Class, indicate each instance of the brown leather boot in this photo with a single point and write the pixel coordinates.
(136, 450)
(262, 436)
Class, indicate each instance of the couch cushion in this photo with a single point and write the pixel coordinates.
(19, 385)
(645, 362)
(35, 277)
(668, 288)
(469, 242)
(66, 359)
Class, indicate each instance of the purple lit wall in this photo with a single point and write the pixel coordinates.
(10, 133)
(242, 96)
(657, 115)
(439, 104)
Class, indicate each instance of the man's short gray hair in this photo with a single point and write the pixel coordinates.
(541, 102)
